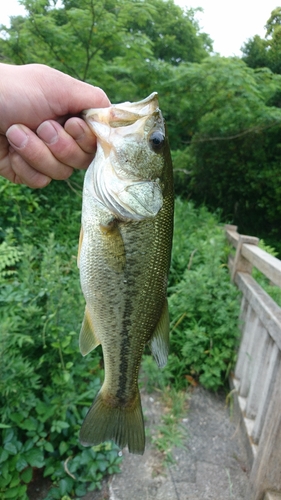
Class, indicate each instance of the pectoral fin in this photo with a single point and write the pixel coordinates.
(115, 248)
(79, 247)
(88, 340)
(159, 343)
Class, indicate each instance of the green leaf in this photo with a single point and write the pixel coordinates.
(16, 417)
(11, 448)
(63, 447)
(59, 425)
(48, 446)
(49, 470)
(27, 474)
(35, 457)
(3, 455)
(45, 410)
(30, 424)
(15, 481)
(55, 494)
(8, 435)
(21, 463)
(16, 492)
(63, 487)
(4, 481)
(103, 465)
(81, 490)
(28, 445)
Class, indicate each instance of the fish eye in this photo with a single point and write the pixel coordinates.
(157, 140)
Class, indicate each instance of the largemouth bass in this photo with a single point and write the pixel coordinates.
(124, 257)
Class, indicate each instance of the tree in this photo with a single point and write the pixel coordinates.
(118, 45)
(174, 33)
(232, 137)
(260, 52)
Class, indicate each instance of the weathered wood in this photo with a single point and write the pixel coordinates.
(232, 235)
(249, 358)
(239, 420)
(272, 362)
(267, 264)
(265, 307)
(266, 471)
(241, 264)
(272, 495)
(257, 380)
(259, 372)
(245, 342)
(243, 312)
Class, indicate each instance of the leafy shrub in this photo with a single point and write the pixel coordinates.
(204, 305)
(46, 386)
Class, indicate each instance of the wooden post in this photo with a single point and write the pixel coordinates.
(266, 472)
(240, 264)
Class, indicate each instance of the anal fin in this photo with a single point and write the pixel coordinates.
(159, 343)
(88, 340)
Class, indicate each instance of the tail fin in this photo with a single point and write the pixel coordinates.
(124, 425)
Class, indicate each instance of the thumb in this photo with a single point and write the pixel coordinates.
(77, 96)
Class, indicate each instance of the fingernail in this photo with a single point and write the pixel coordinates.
(17, 137)
(76, 130)
(47, 132)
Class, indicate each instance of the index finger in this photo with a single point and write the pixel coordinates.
(82, 134)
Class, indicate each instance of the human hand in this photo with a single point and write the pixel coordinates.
(41, 135)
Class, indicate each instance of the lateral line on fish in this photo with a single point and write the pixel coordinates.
(124, 349)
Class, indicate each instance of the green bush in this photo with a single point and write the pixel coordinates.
(204, 305)
(46, 386)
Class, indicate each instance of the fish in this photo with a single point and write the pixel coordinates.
(124, 258)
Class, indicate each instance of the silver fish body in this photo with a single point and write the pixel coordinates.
(124, 258)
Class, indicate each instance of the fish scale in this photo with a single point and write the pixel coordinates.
(124, 258)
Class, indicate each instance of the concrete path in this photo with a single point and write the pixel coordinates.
(211, 464)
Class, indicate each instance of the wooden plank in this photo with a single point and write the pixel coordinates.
(273, 361)
(232, 235)
(265, 307)
(243, 312)
(266, 471)
(272, 495)
(245, 342)
(270, 266)
(238, 418)
(249, 360)
(258, 374)
(240, 263)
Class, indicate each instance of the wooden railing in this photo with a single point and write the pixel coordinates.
(256, 381)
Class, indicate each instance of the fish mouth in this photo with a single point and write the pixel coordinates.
(124, 114)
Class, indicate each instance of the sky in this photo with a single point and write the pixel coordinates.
(230, 23)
